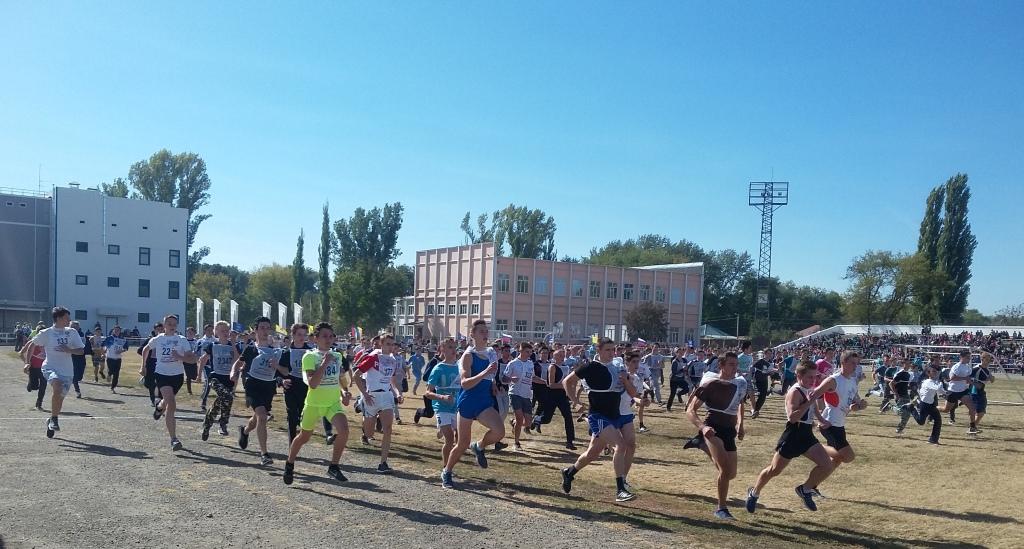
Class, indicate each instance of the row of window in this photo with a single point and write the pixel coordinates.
(463, 309)
(629, 290)
(173, 256)
(616, 332)
(173, 287)
(82, 314)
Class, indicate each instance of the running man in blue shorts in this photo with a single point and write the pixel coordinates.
(61, 342)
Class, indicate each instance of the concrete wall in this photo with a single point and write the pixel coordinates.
(24, 259)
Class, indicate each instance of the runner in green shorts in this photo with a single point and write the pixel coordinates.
(328, 393)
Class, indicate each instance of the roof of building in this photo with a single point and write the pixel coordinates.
(673, 266)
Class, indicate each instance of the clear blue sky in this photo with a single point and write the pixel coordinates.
(617, 118)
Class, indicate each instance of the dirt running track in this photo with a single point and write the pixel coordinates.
(109, 479)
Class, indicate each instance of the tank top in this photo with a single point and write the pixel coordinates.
(481, 389)
(806, 419)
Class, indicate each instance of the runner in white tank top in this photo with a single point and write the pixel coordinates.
(841, 396)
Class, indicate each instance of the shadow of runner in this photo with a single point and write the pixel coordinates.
(969, 516)
(109, 451)
(102, 400)
(432, 518)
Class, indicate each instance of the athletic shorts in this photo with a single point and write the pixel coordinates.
(980, 402)
(311, 414)
(835, 437)
(174, 382)
(191, 371)
(445, 419)
(523, 404)
(65, 381)
(598, 423)
(624, 420)
(259, 393)
(726, 432)
(796, 440)
(955, 397)
(383, 401)
(471, 406)
(97, 360)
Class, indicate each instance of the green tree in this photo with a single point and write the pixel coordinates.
(207, 286)
(484, 232)
(528, 232)
(325, 251)
(974, 317)
(956, 249)
(1009, 316)
(879, 289)
(927, 303)
(271, 283)
(117, 189)
(298, 271)
(647, 321)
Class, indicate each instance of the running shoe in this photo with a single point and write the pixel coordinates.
(607, 451)
(952, 421)
(383, 468)
(566, 481)
(751, 500)
(807, 497)
(582, 418)
(56, 424)
(624, 495)
(973, 431)
(499, 446)
(519, 447)
(643, 429)
(693, 442)
(446, 479)
(265, 460)
(933, 442)
(570, 446)
(206, 432)
(243, 438)
(175, 444)
(289, 473)
(481, 459)
(814, 492)
(157, 413)
(724, 514)
(899, 431)
(334, 472)
(78, 394)
(366, 441)
(224, 430)
(416, 417)
(330, 439)
(536, 427)
(50, 424)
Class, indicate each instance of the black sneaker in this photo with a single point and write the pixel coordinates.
(206, 432)
(807, 497)
(157, 414)
(481, 459)
(499, 446)
(536, 427)
(446, 479)
(330, 439)
(266, 460)
(175, 444)
(224, 430)
(334, 472)
(289, 473)
(566, 481)
(366, 441)
(243, 438)
(570, 446)
(383, 468)
(751, 500)
(416, 417)
(51, 427)
(624, 495)
(78, 394)
(693, 442)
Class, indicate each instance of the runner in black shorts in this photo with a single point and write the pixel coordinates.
(797, 440)
(841, 396)
(170, 351)
(260, 360)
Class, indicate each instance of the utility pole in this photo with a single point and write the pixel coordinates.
(766, 196)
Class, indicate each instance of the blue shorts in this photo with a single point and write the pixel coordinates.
(980, 402)
(66, 382)
(519, 403)
(624, 420)
(471, 408)
(599, 423)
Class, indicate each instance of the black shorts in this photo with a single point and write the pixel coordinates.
(191, 371)
(955, 397)
(796, 440)
(174, 382)
(259, 393)
(725, 429)
(835, 437)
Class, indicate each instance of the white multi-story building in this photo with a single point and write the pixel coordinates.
(404, 317)
(117, 260)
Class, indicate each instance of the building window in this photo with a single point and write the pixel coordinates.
(174, 290)
(82, 247)
(451, 309)
(522, 284)
(677, 296)
(144, 317)
(114, 249)
(613, 290)
(560, 287)
(430, 310)
(501, 325)
(174, 259)
(659, 294)
(502, 282)
(539, 329)
(521, 326)
(143, 256)
(474, 309)
(463, 309)
(595, 289)
(645, 292)
(81, 280)
(609, 331)
(81, 314)
(541, 286)
(691, 296)
(627, 292)
(143, 287)
(673, 335)
(113, 282)
(577, 288)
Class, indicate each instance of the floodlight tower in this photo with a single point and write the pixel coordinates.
(766, 196)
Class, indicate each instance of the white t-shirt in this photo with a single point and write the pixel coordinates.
(115, 345)
(163, 348)
(959, 369)
(839, 401)
(53, 337)
(929, 390)
(522, 370)
(378, 370)
(718, 397)
(626, 401)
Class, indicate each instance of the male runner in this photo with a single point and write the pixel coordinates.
(207, 339)
(558, 399)
(171, 351)
(148, 368)
(678, 377)
(260, 360)
(295, 388)
(377, 378)
(78, 360)
(33, 357)
(96, 344)
(980, 378)
(959, 389)
(60, 342)
(416, 363)
(655, 365)
(900, 387)
(191, 369)
(442, 390)
(218, 359)
(113, 347)
(841, 397)
(927, 403)
(519, 375)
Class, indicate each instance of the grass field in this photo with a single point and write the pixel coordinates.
(900, 491)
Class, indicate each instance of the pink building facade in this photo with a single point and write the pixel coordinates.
(535, 299)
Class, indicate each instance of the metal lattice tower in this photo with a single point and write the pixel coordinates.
(766, 196)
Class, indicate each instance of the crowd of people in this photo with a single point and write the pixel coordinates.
(484, 384)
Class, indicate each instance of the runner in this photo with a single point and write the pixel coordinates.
(260, 360)
(416, 362)
(695, 370)
(475, 402)
(204, 341)
(927, 403)
(294, 383)
(797, 440)
(841, 397)
(891, 369)
(60, 342)
(654, 362)
(607, 383)
(723, 392)
(78, 360)
(901, 389)
(219, 357)
(503, 352)
(113, 347)
(96, 344)
(678, 377)
(632, 396)
(191, 369)
(519, 375)
(442, 389)
(33, 357)
(559, 400)
(980, 378)
(377, 378)
(427, 411)
(171, 351)
(959, 390)
(148, 368)
(647, 393)
(325, 399)
(760, 372)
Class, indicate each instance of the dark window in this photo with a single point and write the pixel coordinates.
(143, 287)
(173, 290)
(174, 259)
(114, 249)
(81, 280)
(82, 247)
(143, 317)
(113, 282)
(80, 314)
(143, 256)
